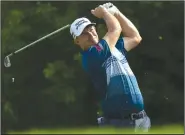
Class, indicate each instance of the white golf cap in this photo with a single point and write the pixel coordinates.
(79, 25)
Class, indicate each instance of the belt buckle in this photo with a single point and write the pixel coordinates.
(132, 118)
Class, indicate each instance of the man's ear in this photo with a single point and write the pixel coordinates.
(76, 41)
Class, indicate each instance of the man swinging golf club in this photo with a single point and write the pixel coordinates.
(105, 62)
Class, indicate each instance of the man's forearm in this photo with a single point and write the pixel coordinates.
(128, 28)
(111, 22)
(114, 29)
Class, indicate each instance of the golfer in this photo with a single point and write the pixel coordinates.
(105, 62)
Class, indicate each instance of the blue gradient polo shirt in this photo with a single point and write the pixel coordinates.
(113, 79)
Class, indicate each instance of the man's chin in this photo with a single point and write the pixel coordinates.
(95, 42)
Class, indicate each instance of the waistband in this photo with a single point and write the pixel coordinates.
(132, 116)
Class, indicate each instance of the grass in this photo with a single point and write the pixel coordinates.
(172, 129)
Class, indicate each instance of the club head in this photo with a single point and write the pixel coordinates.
(7, 62)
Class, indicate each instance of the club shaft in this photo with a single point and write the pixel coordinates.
(39, 40)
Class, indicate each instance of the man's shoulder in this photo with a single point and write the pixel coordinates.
(94, 49)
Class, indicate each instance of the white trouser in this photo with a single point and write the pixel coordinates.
(143, 124)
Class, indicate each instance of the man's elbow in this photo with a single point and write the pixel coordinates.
(138, 39)
(116, 29)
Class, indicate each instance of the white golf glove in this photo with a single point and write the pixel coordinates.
(111, 8)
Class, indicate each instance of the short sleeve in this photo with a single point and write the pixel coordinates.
(120, 45)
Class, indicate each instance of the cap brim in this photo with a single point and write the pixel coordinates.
(83, 27)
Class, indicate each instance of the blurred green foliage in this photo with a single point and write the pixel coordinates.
(51, 88)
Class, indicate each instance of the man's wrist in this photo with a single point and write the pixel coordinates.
(105, 13)
(117, 14)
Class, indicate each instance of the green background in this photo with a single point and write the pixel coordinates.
(51, 88)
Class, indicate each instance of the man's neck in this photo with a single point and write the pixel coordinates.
(86, 47)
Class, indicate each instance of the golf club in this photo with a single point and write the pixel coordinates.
(7, 62)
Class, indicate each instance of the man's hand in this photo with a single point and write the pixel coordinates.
(99, 11)
(131, 35)
(111, 8)
(113, 26)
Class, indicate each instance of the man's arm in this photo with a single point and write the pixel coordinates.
(131, 35)
(113, 25)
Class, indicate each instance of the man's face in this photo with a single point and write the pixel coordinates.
(88, 37)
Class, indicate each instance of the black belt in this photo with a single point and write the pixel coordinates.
(135, 116)
(132, 116)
